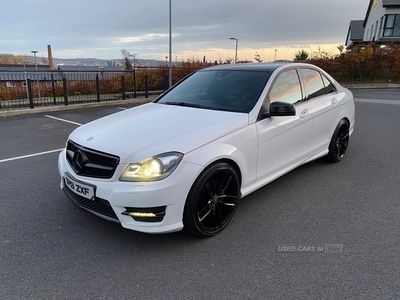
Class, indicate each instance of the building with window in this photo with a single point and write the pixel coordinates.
(16, 75)
(381, 25)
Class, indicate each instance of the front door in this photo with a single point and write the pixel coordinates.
(283, 141)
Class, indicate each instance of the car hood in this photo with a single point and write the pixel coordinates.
(152, 129)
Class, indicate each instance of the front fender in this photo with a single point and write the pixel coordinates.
(239, 147)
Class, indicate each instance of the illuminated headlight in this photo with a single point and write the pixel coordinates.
(153, 168)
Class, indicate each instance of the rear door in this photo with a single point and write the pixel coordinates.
(324, 100)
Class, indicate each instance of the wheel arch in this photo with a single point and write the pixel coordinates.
(338, 145)
(342, 116)
(337, 123)
(347, 120)
(233, 164)
(244, 168)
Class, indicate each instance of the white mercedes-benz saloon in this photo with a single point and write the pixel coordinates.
(186, 159)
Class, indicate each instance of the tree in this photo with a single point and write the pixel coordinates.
(257, 58)
(228, 61)
(125, 54)
(128, 65)
(301, 55)
(45, 61)
(321, 54)
(340, 48)
(11, 59)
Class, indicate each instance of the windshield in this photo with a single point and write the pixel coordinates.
(228, 90)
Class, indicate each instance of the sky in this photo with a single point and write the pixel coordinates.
(101, 28)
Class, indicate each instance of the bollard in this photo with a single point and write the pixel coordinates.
(165, 82)
(134, 83)
(123, 87)
(65, 91)
(28, 82)
(146, 86)
(97, 88)
(53, 89)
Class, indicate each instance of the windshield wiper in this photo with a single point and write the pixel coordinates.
(184, 104)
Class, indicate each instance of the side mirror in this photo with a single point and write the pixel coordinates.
(281, 109)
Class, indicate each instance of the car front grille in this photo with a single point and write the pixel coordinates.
(99, 205)
(91, 163)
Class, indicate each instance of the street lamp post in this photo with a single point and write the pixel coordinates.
(134, 74)
(275, 53)
(170, 46)
(37, 75)
(236, 40)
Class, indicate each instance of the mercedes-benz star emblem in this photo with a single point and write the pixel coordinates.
(80, 160)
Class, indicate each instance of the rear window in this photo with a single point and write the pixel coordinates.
(329, 87)
(314, 85)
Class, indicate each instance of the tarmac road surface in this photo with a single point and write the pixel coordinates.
(323, 231)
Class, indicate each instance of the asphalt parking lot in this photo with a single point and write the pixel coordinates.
(323, 231)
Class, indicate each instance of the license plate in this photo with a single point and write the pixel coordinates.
(80, 188)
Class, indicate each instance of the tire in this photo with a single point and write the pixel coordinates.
(339, 142)
(212, 200)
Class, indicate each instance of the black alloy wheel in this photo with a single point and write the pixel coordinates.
(212, 200)
(339, 142)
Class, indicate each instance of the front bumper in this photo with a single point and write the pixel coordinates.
(130, 203)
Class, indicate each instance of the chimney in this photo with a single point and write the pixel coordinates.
(50, 57)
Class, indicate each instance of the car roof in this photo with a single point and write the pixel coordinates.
(263, 67)
(246, 67)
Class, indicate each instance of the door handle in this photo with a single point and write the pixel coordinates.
(334, 100)
(304, 114)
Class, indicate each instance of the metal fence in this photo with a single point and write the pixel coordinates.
(33, 88)
(29, 89)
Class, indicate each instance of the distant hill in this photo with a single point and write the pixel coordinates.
(105, 62)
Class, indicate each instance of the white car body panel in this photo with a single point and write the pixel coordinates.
(285, 140)
(136, 134)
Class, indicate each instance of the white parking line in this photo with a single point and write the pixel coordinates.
(30, 155)
(40, 153)
(123, 108)
(63, 120)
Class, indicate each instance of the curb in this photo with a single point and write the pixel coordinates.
(19, 112)
(372, 86)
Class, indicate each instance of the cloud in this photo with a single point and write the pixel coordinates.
(102, 27)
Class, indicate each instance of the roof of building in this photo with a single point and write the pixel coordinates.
(89, 68)
(22, 67)
(20, 72)
(88, 72)
(356, 32)
(386, 3)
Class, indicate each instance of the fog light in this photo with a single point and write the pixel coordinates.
(140, 214)
(148, 214)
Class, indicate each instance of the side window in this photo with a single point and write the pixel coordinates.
(313, 81)
(330, 88)
(286, 88)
